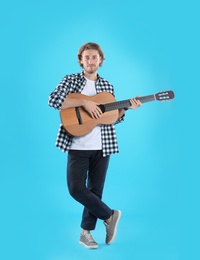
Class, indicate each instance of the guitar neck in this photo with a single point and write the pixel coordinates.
(126, 103)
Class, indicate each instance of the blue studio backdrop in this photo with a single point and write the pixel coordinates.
(149, 47)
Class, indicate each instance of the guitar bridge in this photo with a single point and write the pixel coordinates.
(78, 114)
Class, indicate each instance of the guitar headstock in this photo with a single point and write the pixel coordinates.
(164, 95)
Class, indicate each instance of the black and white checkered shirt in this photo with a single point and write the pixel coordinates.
(75, 83)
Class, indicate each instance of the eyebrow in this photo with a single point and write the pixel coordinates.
(91, 55)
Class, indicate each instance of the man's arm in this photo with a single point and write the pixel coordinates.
(135, 103)
(121, 113)
(90, 106)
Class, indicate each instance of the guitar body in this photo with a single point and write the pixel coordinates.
(81, 126)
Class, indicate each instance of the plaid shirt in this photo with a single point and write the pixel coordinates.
(75, 83)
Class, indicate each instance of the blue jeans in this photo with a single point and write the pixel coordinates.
(86, 173)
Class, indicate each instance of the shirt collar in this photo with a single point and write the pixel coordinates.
(83, 77)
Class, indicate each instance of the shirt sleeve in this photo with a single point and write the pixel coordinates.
(57, 97)
(120, 120)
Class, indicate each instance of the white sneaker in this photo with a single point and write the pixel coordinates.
(87, 240)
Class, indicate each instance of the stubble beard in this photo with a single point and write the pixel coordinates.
(90, 70)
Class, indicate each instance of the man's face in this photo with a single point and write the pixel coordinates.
(90, 61)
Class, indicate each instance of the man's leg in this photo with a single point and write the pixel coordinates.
(78, 165)
(96, 178)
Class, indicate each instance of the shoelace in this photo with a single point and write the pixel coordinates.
(90, 238)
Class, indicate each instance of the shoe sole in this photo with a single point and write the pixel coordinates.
(115, 230)
(89, 247)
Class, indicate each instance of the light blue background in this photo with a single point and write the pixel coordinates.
(150, 46)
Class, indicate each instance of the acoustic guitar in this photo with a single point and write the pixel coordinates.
(78, 122)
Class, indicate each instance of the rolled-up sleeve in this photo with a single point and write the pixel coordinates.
(120, 120)
(57, 97)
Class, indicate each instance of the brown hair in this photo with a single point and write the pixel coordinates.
(90, 46)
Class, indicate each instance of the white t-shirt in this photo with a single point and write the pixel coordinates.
(92, 140)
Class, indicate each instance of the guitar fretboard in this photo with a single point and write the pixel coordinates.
(126, 103)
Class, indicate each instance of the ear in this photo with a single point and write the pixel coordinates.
(100, 60)
(80, 59)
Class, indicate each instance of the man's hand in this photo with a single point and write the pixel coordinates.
(92, 108)
(135, 103)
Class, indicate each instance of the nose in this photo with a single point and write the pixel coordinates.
(90, 60)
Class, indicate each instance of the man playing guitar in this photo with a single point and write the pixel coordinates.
(89, 154)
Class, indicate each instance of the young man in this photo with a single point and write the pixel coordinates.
(88, 155)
